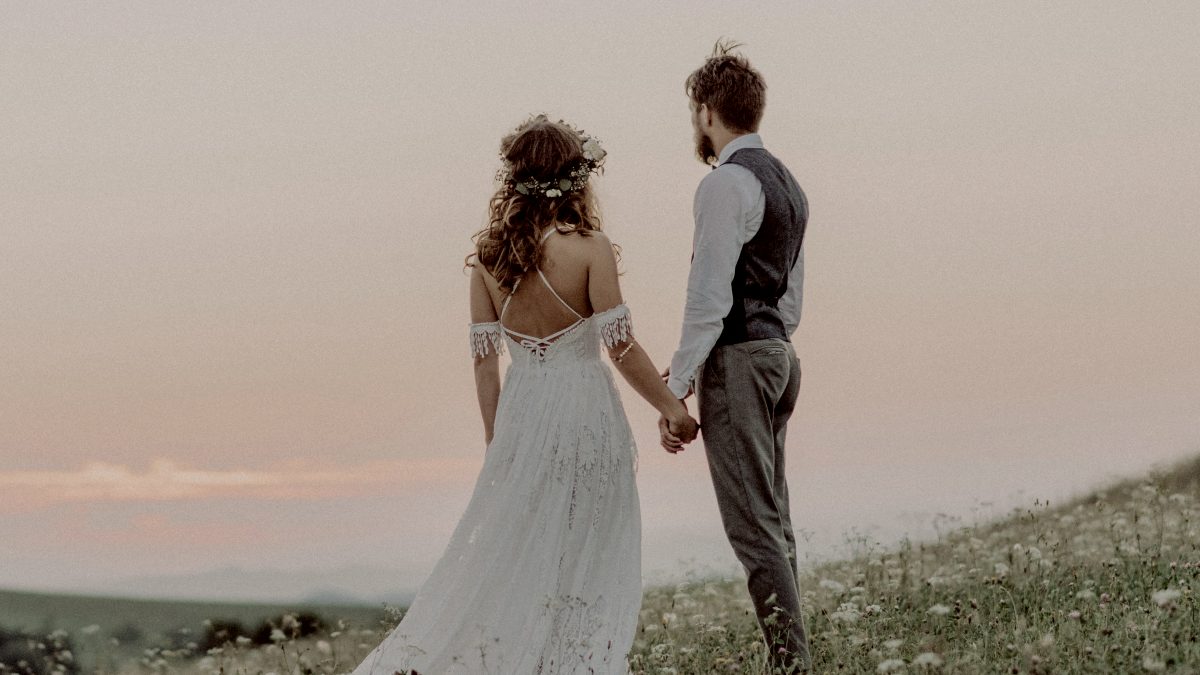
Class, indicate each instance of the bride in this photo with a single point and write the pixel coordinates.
(543, 571)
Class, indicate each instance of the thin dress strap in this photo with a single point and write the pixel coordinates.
(556, 295)
(504, 307)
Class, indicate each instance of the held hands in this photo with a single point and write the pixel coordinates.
(677, 431)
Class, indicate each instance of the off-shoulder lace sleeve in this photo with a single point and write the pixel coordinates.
(615, 325)
(486, 336)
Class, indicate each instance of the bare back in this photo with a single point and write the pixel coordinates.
(544, 307)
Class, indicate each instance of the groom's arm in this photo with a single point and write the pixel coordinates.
(720, 207)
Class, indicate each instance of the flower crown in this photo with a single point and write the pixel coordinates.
(556, 186)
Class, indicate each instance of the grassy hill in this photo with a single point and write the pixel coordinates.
(1102, 584)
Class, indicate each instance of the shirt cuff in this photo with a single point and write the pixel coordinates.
(678, 386)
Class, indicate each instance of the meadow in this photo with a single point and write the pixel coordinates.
(1102, 584)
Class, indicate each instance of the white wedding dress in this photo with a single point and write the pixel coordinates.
(543, 572)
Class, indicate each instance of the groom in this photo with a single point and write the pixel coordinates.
(743, 303)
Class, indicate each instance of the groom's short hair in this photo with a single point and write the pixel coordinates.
(730, 87)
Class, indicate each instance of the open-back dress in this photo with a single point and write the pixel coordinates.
(543, 572)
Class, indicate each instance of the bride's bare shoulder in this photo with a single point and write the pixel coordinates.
(586, 242)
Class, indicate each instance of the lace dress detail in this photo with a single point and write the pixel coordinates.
(543, 572)
(486, 336)
(615, 325)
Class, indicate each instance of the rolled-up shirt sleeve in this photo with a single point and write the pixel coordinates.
(719, 210)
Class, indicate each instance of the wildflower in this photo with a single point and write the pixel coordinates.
(893, 644)
(847, 612)
(836, 587)
(1074, 615)
(890, 666)
(928, 659)
(1001, 569)
(938, 609)
(324, 648)
(277, 635)
(89, 630)
(1165, 597)
(668, 618)
(1153, 665)
(242, 640)
(1085, 594)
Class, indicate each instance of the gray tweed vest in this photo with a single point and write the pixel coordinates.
(761, 276)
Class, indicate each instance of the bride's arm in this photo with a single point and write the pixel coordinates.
(634, 364)
(486, 342)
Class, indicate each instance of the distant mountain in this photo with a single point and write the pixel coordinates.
(349, 585)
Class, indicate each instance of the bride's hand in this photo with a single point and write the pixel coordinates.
(674, 433)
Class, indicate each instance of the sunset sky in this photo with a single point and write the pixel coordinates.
(233, 308)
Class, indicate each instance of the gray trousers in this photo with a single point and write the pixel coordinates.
(747, 392)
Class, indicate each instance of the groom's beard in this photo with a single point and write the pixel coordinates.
(704, 148)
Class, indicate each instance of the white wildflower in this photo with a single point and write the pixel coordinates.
(277, 635)
(893, 644)
(847, 612)
(1153, 665)
(90, 630)
(1165, 597)
(890, 666)
(928, 659)
(938, 609)
(324, 648)
(836, 587)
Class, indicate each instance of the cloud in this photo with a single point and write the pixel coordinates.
(166, 480)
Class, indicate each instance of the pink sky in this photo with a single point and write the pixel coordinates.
(232, 310)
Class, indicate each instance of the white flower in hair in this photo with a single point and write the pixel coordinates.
(553, 192)
(593, 151)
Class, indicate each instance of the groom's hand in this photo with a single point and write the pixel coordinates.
(685, 430)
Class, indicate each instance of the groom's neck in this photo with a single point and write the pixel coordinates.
(722, 138)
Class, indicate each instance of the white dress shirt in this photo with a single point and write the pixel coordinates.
(728, 210)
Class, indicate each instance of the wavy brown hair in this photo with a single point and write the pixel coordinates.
(509, 246)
